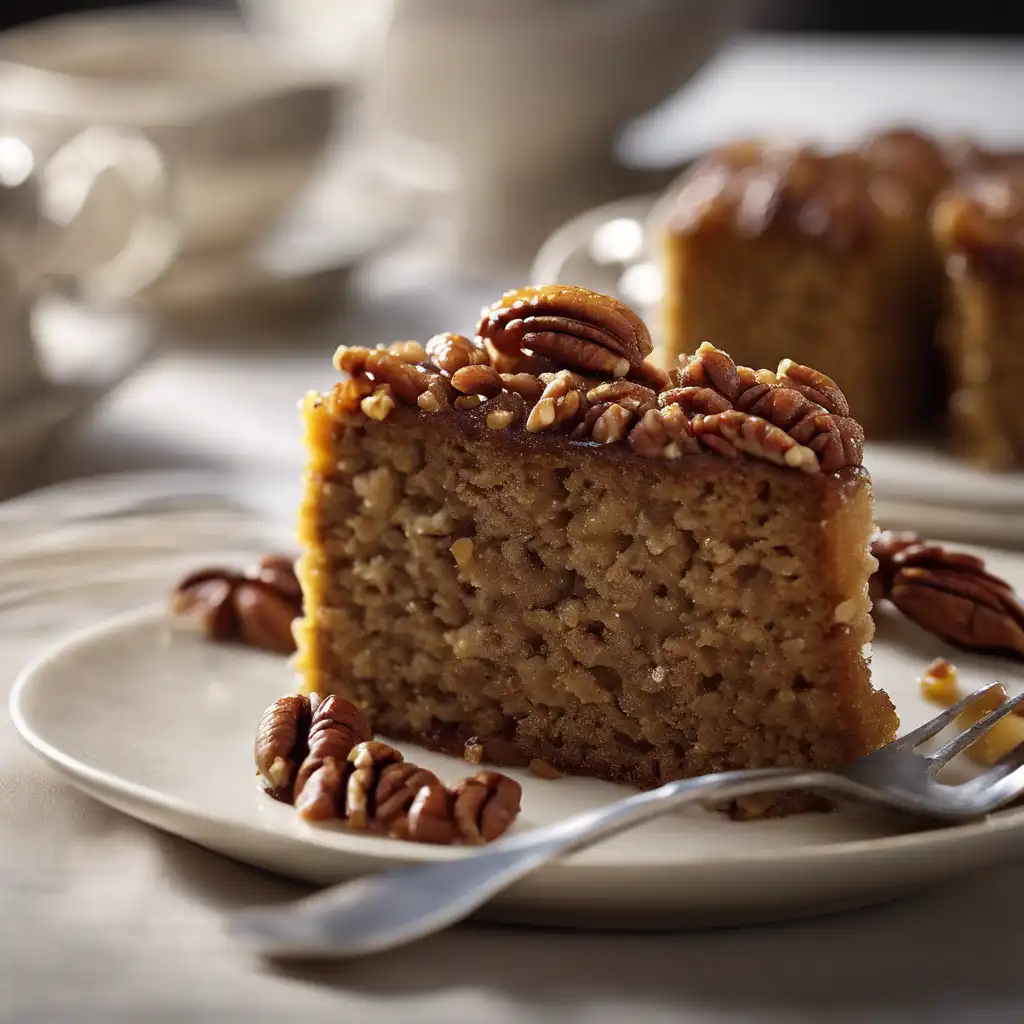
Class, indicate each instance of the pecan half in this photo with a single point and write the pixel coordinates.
(281, 743)
(729, 433)
(431, 817)
(485, 806)
(949, 594)
(336, 728)
(256, 607)
(573, 326)
(368, 760)
(396, 790)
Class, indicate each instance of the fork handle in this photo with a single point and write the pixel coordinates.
(380, 912)
(583, 830)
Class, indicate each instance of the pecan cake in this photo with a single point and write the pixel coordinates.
(536, 544)
(979, 228)
(779, 251)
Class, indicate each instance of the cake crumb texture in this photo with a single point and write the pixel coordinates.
(632, 620)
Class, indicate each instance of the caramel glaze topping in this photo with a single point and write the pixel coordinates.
(754, 187)
(562, 359)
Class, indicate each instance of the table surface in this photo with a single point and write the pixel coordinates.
(103, 919)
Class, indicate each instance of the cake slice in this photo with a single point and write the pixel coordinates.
(578, 558)
(978, 226)
(774, 251)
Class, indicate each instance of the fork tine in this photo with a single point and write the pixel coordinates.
(940, 721)
(968, 736)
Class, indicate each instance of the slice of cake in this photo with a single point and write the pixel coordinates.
(775, 251)
(624, 574)
(979, 228)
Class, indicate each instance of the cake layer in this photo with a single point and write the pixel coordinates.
(634, 619)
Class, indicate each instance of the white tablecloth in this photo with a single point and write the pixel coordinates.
(105, 920)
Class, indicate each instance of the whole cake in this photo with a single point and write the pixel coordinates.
(536, 543)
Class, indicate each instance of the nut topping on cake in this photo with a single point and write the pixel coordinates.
(561, 359)
(949, 594)
(573, 326)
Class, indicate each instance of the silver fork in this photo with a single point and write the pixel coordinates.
(380, 912)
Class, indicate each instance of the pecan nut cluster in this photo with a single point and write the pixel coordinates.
(563, 358)
(800, 401)
(256, 606)
(320, 756)
(948, 593)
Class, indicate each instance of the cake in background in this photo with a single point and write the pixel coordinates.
(777, 251)
(978, 226)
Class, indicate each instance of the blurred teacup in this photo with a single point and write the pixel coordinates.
(530, 95)
(91, 220)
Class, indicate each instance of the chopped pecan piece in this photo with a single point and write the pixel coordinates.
(337, 727)
(256, 607)
(562, 402)
(485, 806)
(630, 395)
(451, 352)
(478, 380)
(439, 394)
(663, 433)
(949, 594)
(612, 424)
(526, 385)
(281, 743)
(573, 326)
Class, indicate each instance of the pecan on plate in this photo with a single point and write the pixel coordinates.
(431, 817)
(397, 787)
(282, 739)
(256, 607)
(368, 761)
(336, 728)
(949, 594)
(573, 326)
(485, 806)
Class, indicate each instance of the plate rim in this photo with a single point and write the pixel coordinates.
(390, 853)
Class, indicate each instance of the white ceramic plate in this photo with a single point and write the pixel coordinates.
(612, 249)
(155, 721)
